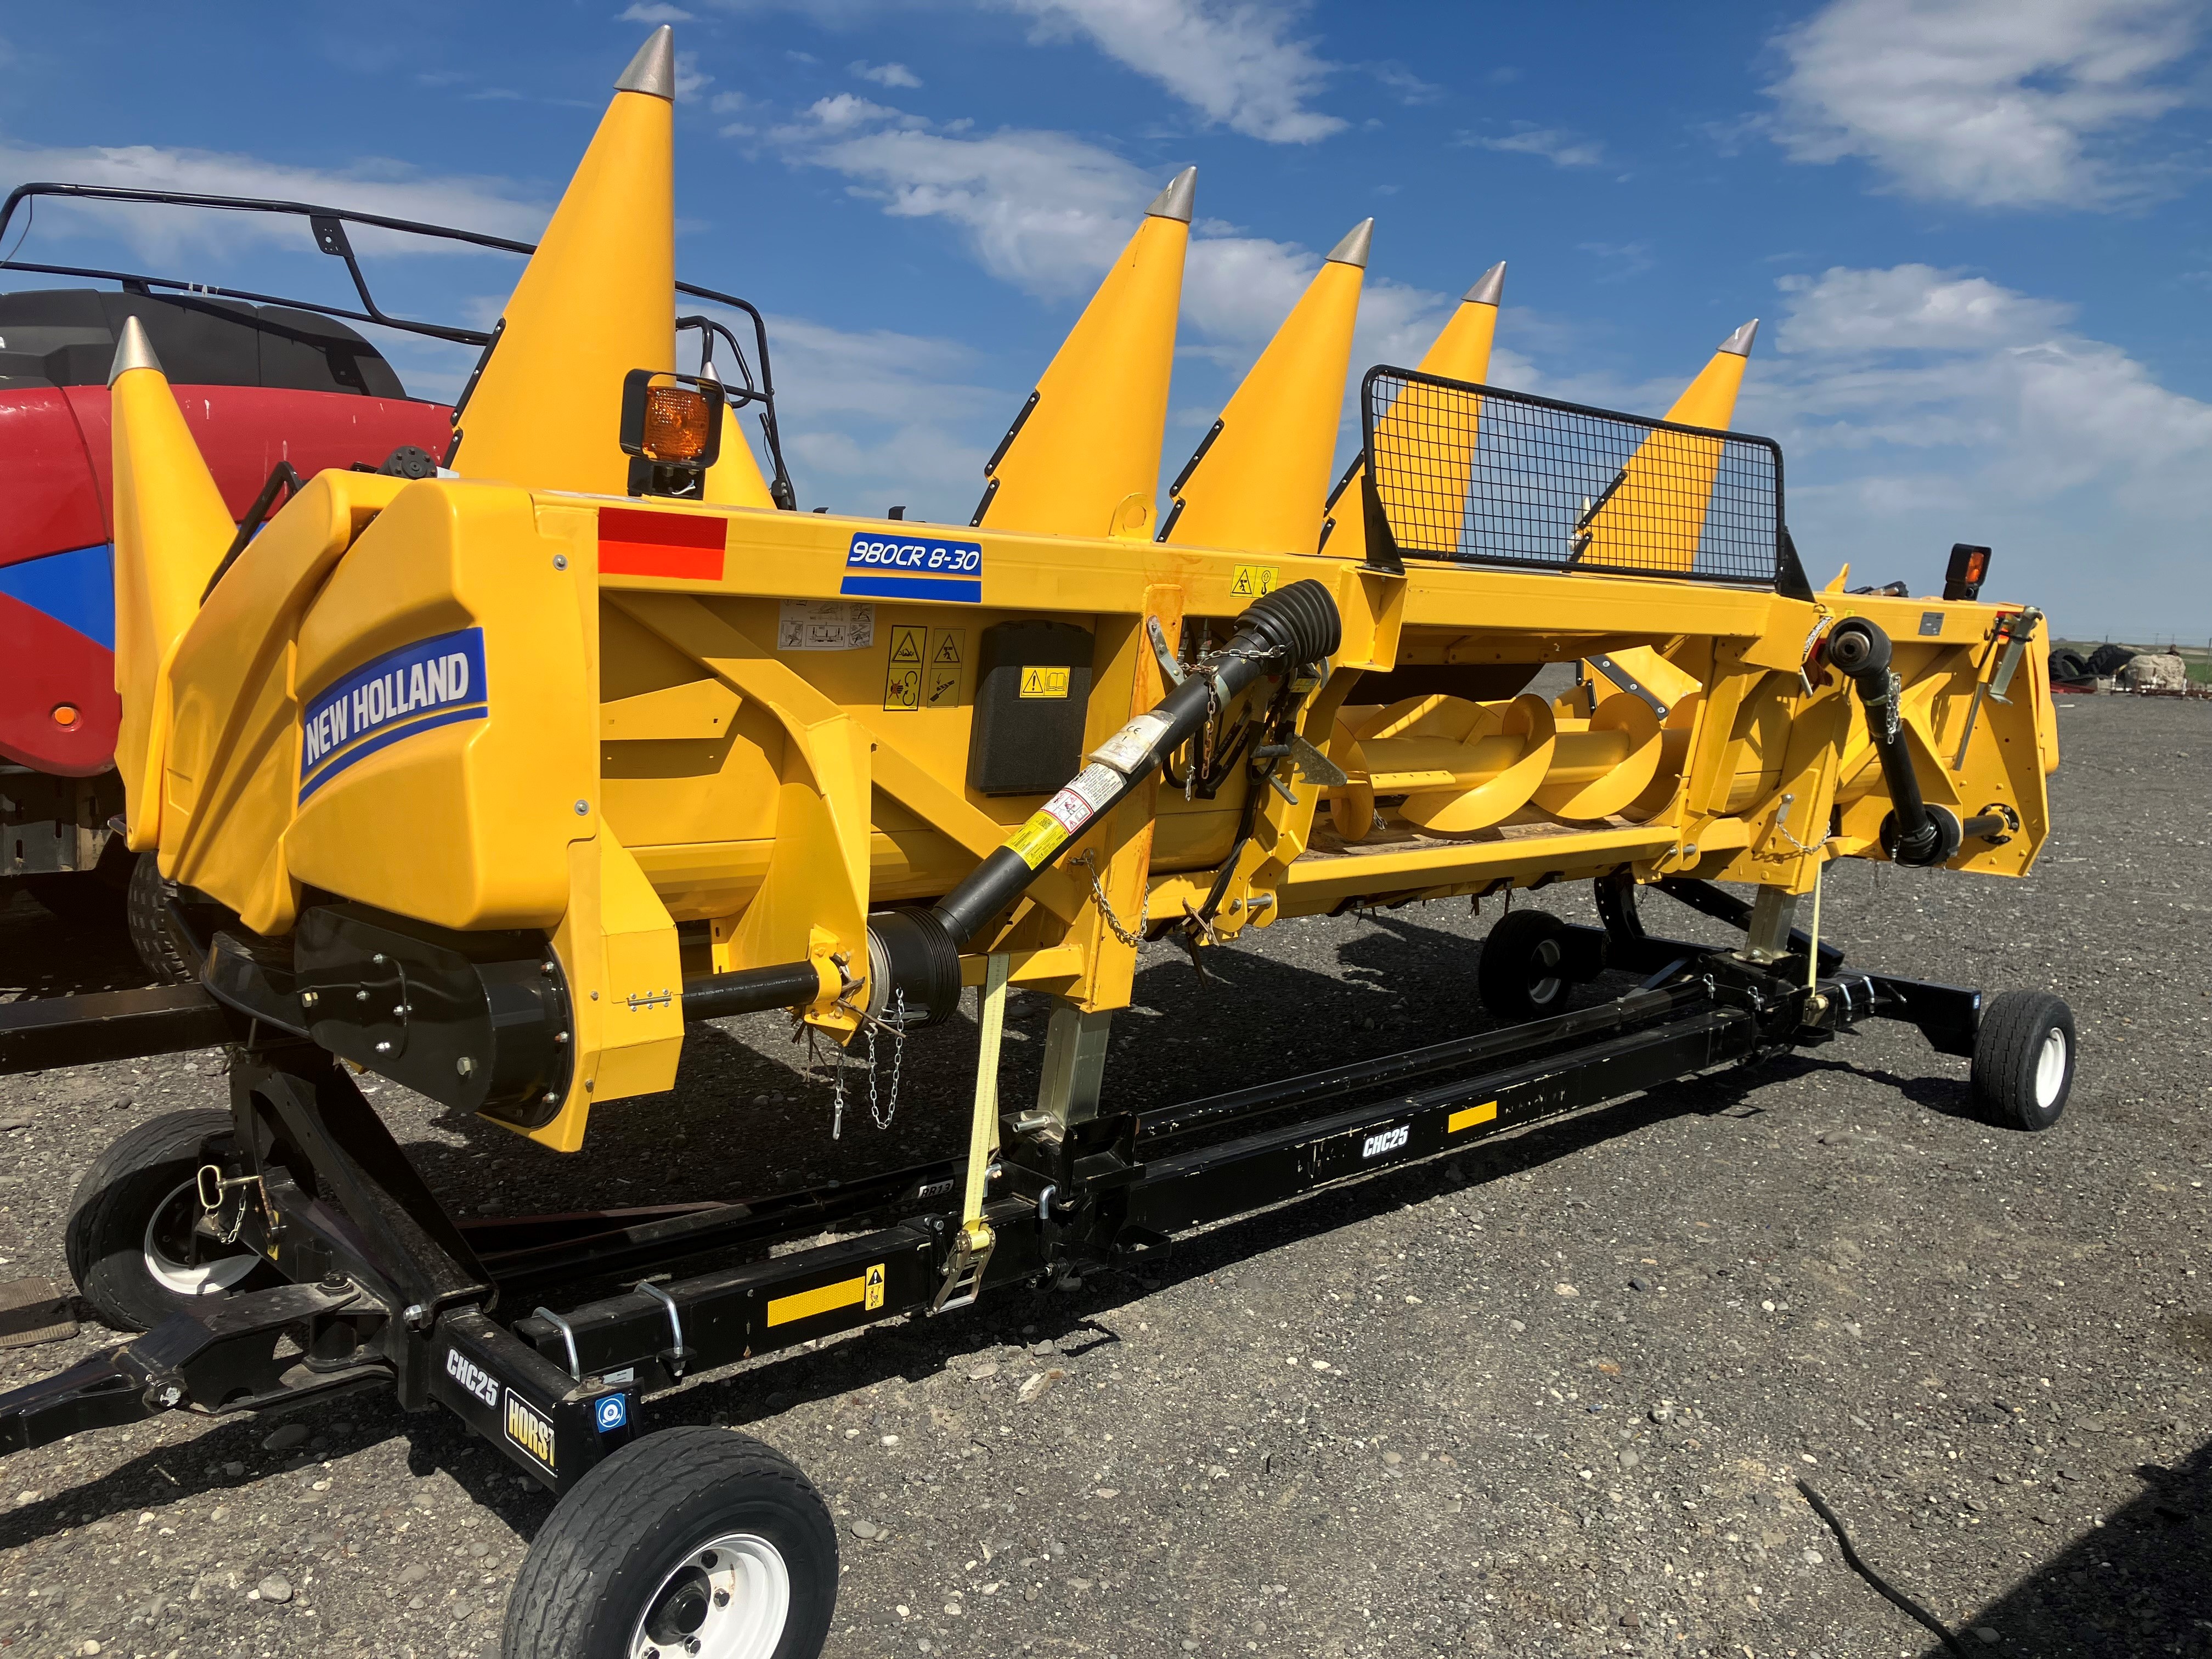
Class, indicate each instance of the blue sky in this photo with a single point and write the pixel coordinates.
(1975, 230)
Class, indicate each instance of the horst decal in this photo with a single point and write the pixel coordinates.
(432, 683)
(899, 568)
(636, 544)
(530, 1429)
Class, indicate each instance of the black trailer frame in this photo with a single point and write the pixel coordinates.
(543, 1334)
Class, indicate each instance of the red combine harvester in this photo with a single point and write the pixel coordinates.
(275, 391)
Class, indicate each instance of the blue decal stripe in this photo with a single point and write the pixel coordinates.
(950, 592)
(390, 734)
(76, 587)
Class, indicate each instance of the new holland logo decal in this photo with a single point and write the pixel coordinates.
(432, 683)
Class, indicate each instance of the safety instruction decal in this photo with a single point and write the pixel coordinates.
(1037, 840)
(902, 678)
(1252, 581)
(431, 683)
(824, 625)
(948, 649)
(1044, 682)
(1077, 804)
(879, 567)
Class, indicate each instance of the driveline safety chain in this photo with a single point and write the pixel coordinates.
(881, 1109)
(897, 1024)
(1128, 936)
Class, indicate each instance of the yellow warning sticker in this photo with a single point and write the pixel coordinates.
(1467, 1116)
(875, 1287)
(941, 681)
(1037, 840)
(1251, 581)
(902, 682)
(1044, 682)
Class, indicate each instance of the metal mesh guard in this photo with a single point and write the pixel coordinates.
(1479, 476)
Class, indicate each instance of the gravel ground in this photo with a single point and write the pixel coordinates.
(1549, 1399)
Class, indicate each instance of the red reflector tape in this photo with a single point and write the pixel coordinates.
(632, 543)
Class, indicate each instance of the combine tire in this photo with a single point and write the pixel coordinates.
(146, 908)
(1524, 973)
(2067, 668)
(2108, 659)
(134, 1240)
(691, 1541)
(2023, 1067)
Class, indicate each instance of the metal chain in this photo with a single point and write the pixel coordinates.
(1131, 937)
(883, 1118)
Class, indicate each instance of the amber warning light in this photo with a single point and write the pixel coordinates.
(1962, 579)
(671, 421)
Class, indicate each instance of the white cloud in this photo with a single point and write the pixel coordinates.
(1993, 103)
(885, 75)
(641, 12)
(488, 204)
(1041, 209)
(1228, 59)
(875, 417)
(1918, 406)
(690, 79)
(1560, 148)
(1911, 307)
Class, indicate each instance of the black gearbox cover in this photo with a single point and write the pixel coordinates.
(1032, 694)
(476, 1021)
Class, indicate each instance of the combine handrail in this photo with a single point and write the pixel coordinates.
(328, 224)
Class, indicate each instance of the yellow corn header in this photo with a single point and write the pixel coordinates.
(490, 782)
(590, 716)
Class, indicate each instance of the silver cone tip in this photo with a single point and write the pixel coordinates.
(653, 71)
(1175, 202)
(1352, 250)
(132, 350)
(1739, 342)
(1488, 288)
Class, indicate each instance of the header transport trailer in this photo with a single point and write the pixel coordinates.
(493, 782)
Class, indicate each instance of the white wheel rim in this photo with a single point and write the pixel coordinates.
(182, 1278)
(728, 1599)
(2050, 1068)
(1544, 986)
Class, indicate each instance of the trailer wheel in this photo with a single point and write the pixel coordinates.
(145, 907)
(693, 1543)
(134, 1242)
(2023, 1067)
(1524, 973)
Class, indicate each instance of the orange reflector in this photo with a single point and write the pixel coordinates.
(675, 425)
(66, 714)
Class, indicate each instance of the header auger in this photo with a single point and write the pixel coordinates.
(492, 781)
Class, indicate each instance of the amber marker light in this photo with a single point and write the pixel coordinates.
(676, 425)
(671, 429)
(66, 714)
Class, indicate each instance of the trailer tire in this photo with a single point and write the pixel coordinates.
(2023, 1065)
(130, 1240)
(1524, 972)
(694, 1533)
(146, 908)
